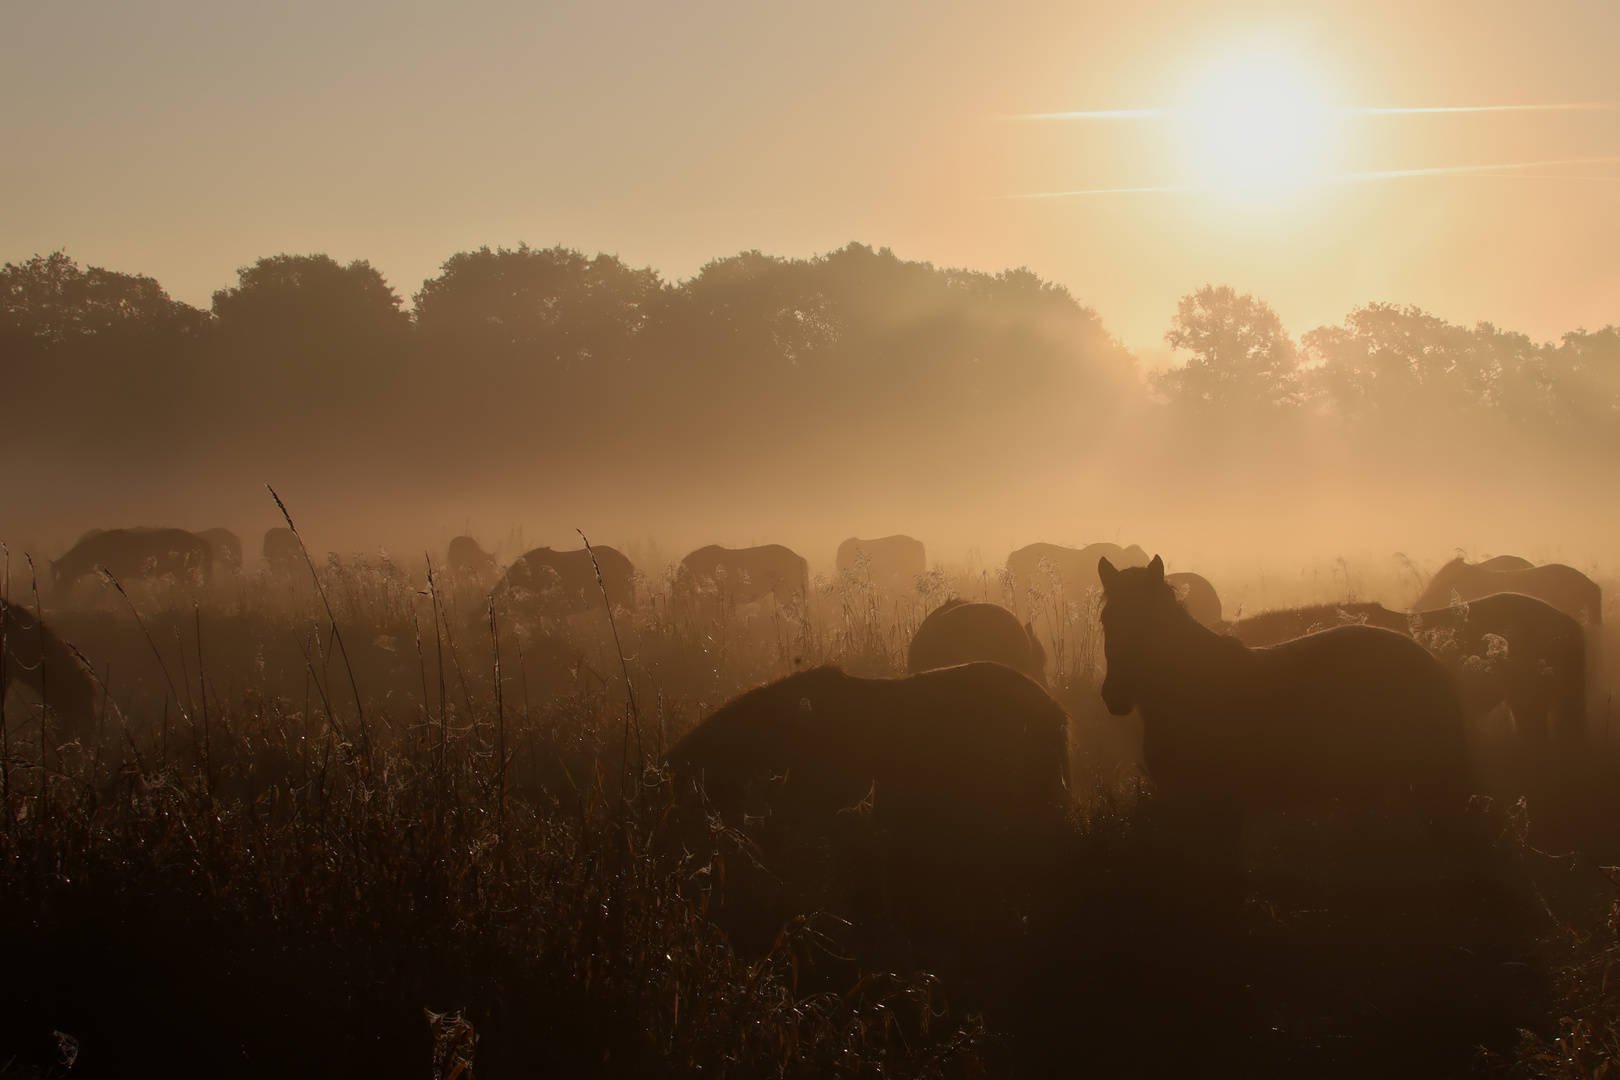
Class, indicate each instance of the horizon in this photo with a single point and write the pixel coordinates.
(398, 136)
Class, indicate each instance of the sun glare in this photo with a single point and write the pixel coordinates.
(1255, 124)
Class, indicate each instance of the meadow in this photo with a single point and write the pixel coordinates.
(345, 822)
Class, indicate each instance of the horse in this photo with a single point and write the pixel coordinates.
(466, 559)
(924, 797)
(972, 751)
(1504, 649)
(1286, 624)
(1515, 649)
(1198, 596)
(227, 547)
(135, 553)
(746, 575)
(893, 562)
(1074, 569)
(1352, 712)
(35, 657)
(557, 584)
(282, 550)
(1564, 587)
(959, 632)
(1505, 562)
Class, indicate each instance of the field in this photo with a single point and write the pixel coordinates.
(346, 821)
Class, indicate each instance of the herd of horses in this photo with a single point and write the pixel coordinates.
(1343, 700)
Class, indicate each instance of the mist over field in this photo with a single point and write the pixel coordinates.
(525, 393)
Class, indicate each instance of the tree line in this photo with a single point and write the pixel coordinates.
(548, 347)
(1389, 367)
(530, 353)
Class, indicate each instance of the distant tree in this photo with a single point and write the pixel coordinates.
(49, 300)
(104, 359)
(1242, 358)
(551, 304)
(311, 299)
(1402, 363)
(1584, 371)
(860, 331)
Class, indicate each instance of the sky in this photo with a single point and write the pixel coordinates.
(183, 140)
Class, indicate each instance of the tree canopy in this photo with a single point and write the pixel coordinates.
(1242, 359)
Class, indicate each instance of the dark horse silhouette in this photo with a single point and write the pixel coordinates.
(892, 562)
(959, 632)
(927, 794)
(135, 553)
(1505, 562)
(1286, 624)
(1564, 587)
(1351, 712)
(467, 559)
(746, 575)
(282, 550)
(556, 584)
(976, 750)
(1515, 649)
(37, 658)
(1500, 649)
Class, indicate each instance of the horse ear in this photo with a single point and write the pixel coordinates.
(1106, 571)
(1156, 568)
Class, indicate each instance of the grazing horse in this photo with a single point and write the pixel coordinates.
(1515, 649)
(972, 751)
(1286, 624)
(1198, 596)
(1503, 649)
(557, 584)
(1075, 569)
(282, 549)
(960, 632)
(1564, 587)
(1353, 712)
(135, 553)
(36, 658)
(466, 559)
(746, 575)
(227, 547)
(893, 562)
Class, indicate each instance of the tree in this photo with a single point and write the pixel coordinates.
(1242, 359)
(49, 300)
(310, 299)
(1404, 364)
(551, 304)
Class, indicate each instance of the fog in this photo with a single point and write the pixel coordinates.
(524, 394)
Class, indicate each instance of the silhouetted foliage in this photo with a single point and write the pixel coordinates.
(1242, 359)
(558, 359)
(49, 300)
(308, 298)
(550, 305)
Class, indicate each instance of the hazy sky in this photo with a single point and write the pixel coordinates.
(183, 140)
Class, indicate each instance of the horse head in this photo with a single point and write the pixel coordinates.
(1137, 604)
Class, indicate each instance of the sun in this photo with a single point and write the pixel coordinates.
(1255, 123)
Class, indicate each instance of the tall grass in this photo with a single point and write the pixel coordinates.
(483, 867)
